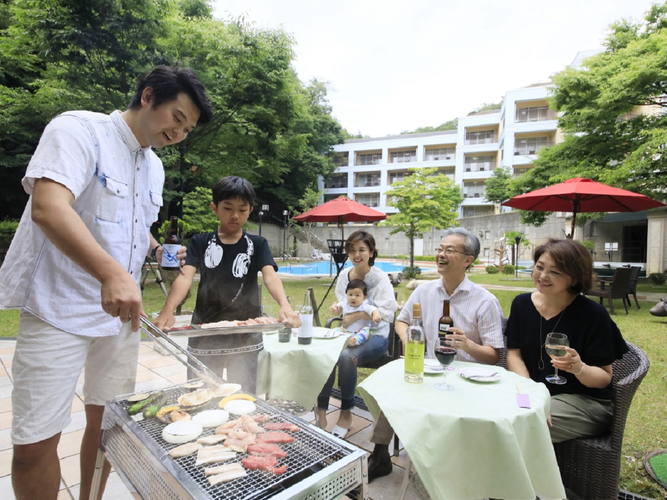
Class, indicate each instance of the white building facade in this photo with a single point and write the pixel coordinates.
(482, 142)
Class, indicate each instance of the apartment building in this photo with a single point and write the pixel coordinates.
(483, 142)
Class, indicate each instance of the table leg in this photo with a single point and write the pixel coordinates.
(406, 479)
(97, 476)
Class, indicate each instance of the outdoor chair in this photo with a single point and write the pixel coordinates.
(632, 289)
(590, 467)
(502, 355)
(617, 288)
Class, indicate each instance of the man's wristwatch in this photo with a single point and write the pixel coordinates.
(154, 251)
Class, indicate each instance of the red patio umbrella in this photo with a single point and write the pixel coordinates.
(341, 210)
(582, 195)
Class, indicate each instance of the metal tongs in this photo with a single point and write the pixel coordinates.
(175, 350)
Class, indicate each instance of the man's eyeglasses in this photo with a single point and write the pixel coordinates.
(449, 251)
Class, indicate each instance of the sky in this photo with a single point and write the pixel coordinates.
(396, 65)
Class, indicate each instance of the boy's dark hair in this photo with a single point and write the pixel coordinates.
(234, 187)
(357, 284)
(167, 82)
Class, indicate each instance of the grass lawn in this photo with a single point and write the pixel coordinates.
(646, 428)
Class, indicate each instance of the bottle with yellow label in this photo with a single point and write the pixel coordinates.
(414, 349)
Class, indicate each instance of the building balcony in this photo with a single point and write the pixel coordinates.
(531, 150)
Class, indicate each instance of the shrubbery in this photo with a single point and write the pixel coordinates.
(491, 269)
(508, 269)
(657, 278)
(411, 272)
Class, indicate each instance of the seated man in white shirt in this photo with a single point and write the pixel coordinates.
(477, 316)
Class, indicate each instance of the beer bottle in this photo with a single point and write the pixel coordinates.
(445, 322)
(172, 243)
(415, 347)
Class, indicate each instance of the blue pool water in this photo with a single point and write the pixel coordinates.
(328, 268)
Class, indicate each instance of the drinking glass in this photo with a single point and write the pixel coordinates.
(445, 351)
(555, 345)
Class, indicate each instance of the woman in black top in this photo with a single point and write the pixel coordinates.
(582, 406)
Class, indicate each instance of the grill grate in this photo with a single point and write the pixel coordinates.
(126, 439)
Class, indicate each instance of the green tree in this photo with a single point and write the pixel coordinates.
(497, 187)
(268, 127)
(613, 116)
(425, 199)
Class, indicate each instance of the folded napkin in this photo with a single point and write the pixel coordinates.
(523, 400)
(480, 374)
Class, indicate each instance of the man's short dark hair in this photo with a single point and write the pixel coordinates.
(231, 187)
(167, 82)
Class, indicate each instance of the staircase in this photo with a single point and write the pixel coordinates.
(315, 240)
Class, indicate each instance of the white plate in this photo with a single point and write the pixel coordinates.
(478, 374)
(432, 367)
(325, 333)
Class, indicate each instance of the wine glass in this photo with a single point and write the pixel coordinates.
(445, 351)
(555, 345)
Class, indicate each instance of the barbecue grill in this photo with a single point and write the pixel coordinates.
(319, 465)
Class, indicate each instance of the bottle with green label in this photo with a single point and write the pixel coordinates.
(414, 349)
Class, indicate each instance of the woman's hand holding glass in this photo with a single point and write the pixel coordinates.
(555, 345)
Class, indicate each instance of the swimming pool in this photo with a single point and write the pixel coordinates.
(326, 267)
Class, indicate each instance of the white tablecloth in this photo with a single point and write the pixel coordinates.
(475, 441)
(294, 371)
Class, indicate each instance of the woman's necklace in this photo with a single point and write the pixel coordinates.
(540, 365)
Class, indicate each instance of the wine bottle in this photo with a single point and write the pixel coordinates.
(171, 246)
(305, 335)
(414, 349)
(445, 322)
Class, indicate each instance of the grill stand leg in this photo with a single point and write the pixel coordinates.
(406, 479)
(97, 476)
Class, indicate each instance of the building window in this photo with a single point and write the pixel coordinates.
(368, 180)
(530, 145)
(536, 114)
(403, 156)
(473, 189)
(398, 177)
(329, 197)
(519, 171)
(480, 163)
(439, 154)
(337, 181)
(369, 158)
(480, 137)
(342, 159)
(369, 199)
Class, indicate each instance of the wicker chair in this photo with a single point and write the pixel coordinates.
(590, 467)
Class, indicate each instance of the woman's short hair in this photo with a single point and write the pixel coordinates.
(365, 238)
(572, 259)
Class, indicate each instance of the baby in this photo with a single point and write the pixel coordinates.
(355, 301)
